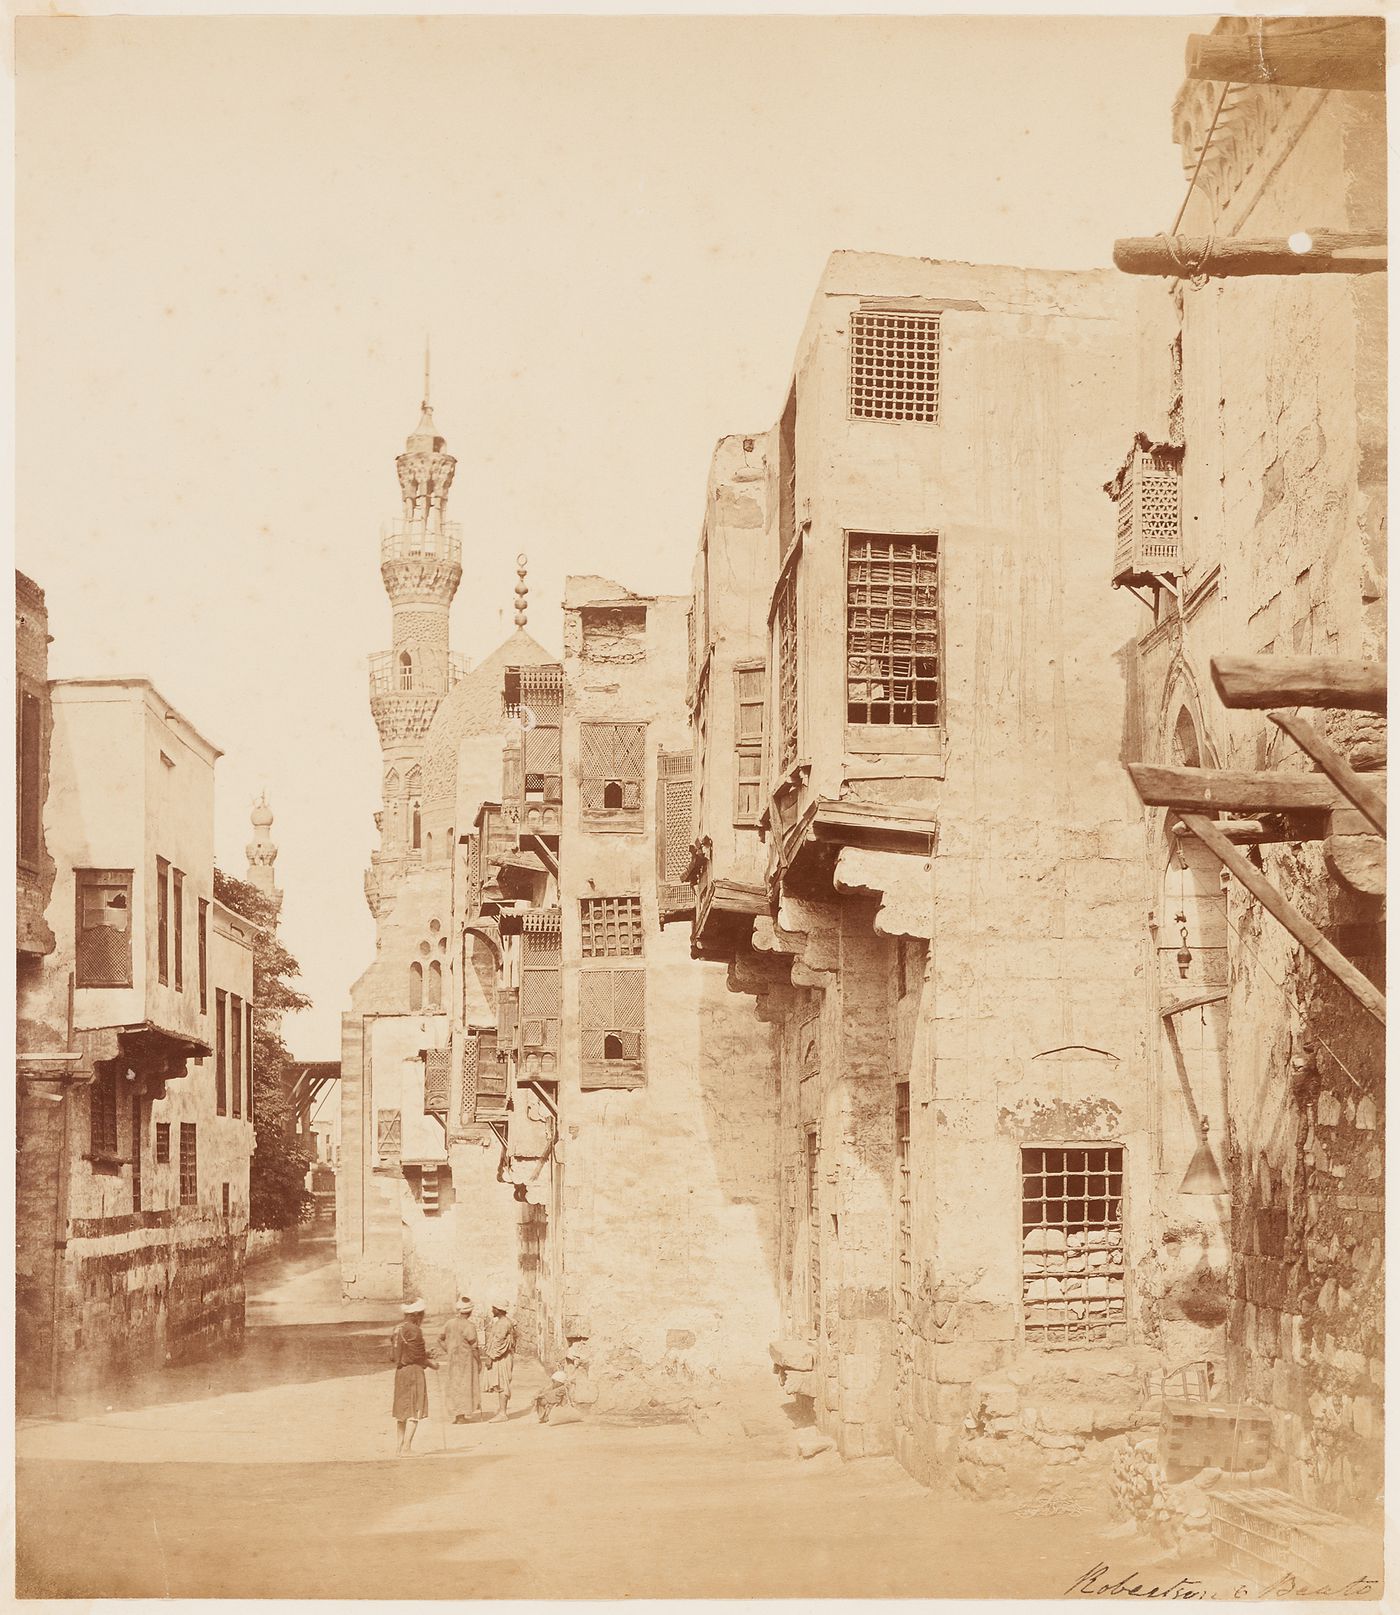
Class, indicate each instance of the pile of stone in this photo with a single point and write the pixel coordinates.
(1177, 1516)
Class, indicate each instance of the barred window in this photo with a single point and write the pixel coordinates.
(162, 1143)
(189, 1165)
(612, 762)
(102, 1111)
(748, 742)
(892, 653)
(786, 613)
(1074, 1289)
(612, 927)
(163, 919)
(103, 943)
(220, 1052)
(224, 1200)
(612, 1028)
(248, 1056)
(894, 366)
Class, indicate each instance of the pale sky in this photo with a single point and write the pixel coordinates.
(233, 234)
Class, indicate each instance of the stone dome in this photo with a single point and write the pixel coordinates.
(473, 707)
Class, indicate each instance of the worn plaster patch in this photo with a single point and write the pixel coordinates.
(1056, 1119)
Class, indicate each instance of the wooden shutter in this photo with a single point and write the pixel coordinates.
(674, 834)
(612, 1003)
(437, 1082)
(540, 983)
(390, 1133)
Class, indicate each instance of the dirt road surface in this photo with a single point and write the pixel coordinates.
(270, 1473)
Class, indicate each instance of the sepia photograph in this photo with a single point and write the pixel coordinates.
(701, 801)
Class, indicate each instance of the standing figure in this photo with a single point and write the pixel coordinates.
(499, 1352)
(410, 1352)
(460, 1343)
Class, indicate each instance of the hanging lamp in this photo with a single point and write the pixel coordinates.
(1204, 1176)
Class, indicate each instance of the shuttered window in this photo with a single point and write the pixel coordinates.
(163, 920)
(235, 1063)
(103, 942)
(612, 1028)
(203, 946)
(102, 1111)
(189, 1165)
(177, 901)
(749, 694)
(785, 635)
(675, 804)
(220, 1052)
(612, 763)
(248, 1055)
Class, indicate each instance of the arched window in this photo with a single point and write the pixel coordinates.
(428, 846)
(435, 985)
(612, 794)
(1186, 749)
(406, 671)
(391, 782)
(415, 986)
(612, 1046)
(416, 822)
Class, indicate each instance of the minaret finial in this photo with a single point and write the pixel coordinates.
(427, 362)
(522, 589)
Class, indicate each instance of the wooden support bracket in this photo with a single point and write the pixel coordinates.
(1299, 681)
(1360, 792)
(1302, 930)
(1233, 790)
(1214, 996)
(1326, 252)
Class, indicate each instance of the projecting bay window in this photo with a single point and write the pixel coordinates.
(163, 920)
(612, 764)
(675, 832)
(893, 657)
(749, 682)
(541, 985)
(612, 1028)
(1073, 1265)
(896, 358)
(103, 942)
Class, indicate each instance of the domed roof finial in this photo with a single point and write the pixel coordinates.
(522, 589)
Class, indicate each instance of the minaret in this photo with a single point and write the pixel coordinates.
(262, 855)
(421, 565)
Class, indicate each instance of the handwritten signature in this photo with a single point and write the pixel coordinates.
(1101, 1582)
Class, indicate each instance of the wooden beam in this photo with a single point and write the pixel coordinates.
(1182, 1005)
(1330, 252)
(1231, 790)
(1361, 793)
(1302, 930)
(1343, 53)
(1299, 681)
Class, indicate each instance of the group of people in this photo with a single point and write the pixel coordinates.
(478, 1356)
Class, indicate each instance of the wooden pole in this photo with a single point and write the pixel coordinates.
(1337, 54)
(1232, 790)
(1302, 930)
(1362, 793)
(1330, 252)
(1299, 681)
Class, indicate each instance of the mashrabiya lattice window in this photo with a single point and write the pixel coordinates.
(104, 928)
(612, 1027)
(895, 366)
(1074, 1288)
(892, 653)
(611, 766)
(786, 616)
(611, 926)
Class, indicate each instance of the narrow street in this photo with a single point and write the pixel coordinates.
(271, 1474)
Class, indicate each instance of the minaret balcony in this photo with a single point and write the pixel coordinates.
(402, 541)
(387, 674)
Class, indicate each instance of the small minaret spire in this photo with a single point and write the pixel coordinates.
(262, 855)
(427, 369)
(522, 589)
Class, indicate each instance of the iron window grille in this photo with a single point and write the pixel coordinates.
(892, 649)
(785, 616)
(895, 363)
(1073, 1265)
(203, 946)
(189, 1165)
(748, 742)
(612, 763)
(162, 1143)
(177, 900)
(103, 945)
(611, 927)
(904, 1232)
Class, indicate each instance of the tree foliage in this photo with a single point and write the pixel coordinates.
(277, 1189)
